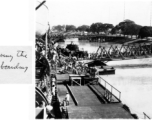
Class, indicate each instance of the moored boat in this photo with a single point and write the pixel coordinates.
(101, 67)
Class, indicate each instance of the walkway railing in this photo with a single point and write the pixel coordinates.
(146, 116)
(110, 90)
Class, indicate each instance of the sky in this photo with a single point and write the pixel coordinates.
(80, 12)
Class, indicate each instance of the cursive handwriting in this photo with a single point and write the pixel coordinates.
(17, 66)
(7, 56)
(5, 66)
(21, 54)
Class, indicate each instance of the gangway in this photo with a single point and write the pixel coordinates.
(90, 106)
(62, 93)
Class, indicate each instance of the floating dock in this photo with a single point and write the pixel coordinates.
(89, 101)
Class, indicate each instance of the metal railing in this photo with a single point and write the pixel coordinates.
(109, 92)
(130, 51)
(146, 116)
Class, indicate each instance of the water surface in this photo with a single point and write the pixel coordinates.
(135, 82)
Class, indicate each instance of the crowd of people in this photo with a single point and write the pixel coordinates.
(54, 60)
(64, 64)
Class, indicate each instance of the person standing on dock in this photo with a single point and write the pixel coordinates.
(67, 98)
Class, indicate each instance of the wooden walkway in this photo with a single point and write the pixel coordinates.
(90, 107)
(100, 91)
(84, 96)
(62, 93)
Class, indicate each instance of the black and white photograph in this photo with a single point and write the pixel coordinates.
(93, 59)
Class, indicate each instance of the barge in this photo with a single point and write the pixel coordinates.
(73, 50)
(101, 67)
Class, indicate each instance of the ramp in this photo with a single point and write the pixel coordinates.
(91, 108)
(62, 93)
(84, 96)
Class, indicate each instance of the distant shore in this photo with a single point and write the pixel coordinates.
(132, 66)
(134, 63)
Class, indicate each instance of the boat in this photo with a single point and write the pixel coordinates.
(101, 67)
(72, 47)
(75, 51)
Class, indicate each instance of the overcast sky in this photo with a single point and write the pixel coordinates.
(79, 12)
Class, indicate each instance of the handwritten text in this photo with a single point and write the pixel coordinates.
(5, 65)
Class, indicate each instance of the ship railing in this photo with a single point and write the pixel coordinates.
(109, 89)
(146, 116)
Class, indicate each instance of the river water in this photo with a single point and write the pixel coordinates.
(135, 82)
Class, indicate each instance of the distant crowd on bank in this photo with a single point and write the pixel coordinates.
(59, 60)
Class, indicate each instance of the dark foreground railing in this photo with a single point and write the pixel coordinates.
(109, 89)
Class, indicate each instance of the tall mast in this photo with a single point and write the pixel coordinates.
(48, 30)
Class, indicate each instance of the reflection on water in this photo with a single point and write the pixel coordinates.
(135, 84)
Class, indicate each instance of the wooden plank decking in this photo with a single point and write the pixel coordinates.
(90, 107)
